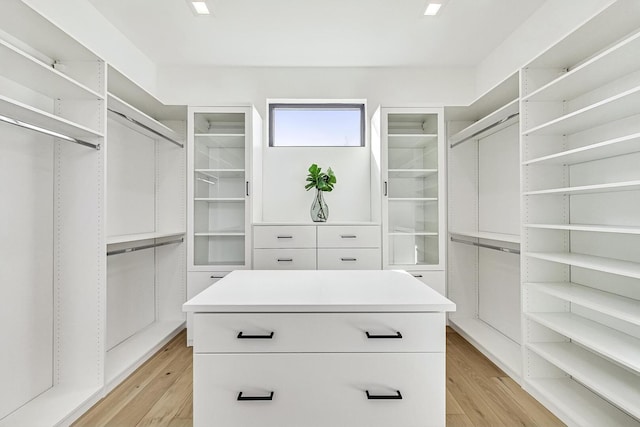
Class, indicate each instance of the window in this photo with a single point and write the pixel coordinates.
(316, 125)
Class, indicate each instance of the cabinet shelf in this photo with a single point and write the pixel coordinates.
(612, 382)
(221, 233)
(28, 71)
(613, 305)
(588, 227)
(613, 147)
(130, 238)
(411, 140)
(413, 199)
(219, 199)
(148, 125)
(613, 108)
(610, 343)
(588, 189)
(426, 233)
(411, 173)
(490, 122)
(606, 265)
(593, 73)
(500, 237)
(578, 403)
(25, 113)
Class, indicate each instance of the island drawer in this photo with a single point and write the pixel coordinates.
(284, 259)
(403, 390)
(318, 332)
(361, 236)
(284, 236)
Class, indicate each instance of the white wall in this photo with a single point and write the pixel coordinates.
(84, 23)
(285, 169)
(549, 24)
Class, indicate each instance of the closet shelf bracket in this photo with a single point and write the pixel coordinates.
(486, 128)
(139, 248)
(145, 127)
(484, 245)
(48, 132)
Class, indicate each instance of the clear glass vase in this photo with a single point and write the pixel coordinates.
(319, 209)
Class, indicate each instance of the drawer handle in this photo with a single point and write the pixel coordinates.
(285, 259)
(249, 398)
(371, 336)
(396, 396)
(348, 236)
(348, 259)
(417, 275)
(217, 277)
(285, 237)
(242, 336)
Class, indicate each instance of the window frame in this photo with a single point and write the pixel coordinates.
(315, 104)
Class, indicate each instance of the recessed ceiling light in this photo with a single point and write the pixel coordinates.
(432, 9)
(200, 7)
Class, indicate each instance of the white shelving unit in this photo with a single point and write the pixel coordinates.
(53, 288)
(484, 224)
(146, 253)
(580, 198)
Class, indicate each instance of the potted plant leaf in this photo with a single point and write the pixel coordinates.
(321, 181)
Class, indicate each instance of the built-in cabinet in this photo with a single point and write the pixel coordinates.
(581, 239)
(483, 263)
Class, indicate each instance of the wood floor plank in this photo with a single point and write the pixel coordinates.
(458, 420)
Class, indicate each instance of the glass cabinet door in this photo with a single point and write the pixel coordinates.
(219, 185)
(412, 186)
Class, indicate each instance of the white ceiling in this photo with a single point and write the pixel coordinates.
(344, 33)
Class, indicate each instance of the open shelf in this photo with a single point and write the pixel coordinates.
(130, 238)
(33, 116)
(124, 358)
(500, 237)
(487, 124)
(613, 305)
(28, 71)
(606, 265)
(612, 382)
(595, 72)
(500, 349)
(613, 108)
(588, 189)
(575, 402)
(610, 343)
(120, 106)
(613, 147)
(588, 227)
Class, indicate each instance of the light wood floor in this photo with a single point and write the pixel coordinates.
(160, 393)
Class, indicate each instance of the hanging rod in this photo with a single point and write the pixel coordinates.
(48, 132)
(483, 245)
(486, 128)
(139, 248)
(142, 125)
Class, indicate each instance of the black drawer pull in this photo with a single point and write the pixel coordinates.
(246, 398)
(396, 396)
(417, 275)
(285, 259)
(285, 237)
(242, 336)
(217, 277)
(348, 236)
(348, 259)
(370, 336)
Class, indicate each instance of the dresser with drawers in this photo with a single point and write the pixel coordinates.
(324, 246)
(319, 348)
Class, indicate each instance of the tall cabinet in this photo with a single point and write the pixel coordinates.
(413, 191)
(581, 223)
(220, 151)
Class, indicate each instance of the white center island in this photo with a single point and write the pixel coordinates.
(319, 349)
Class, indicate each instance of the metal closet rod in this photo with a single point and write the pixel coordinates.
(486, 128)
(35, 128)
(483, 245)
(139, 248)
(134, 121)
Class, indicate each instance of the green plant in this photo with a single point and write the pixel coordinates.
(323, 181)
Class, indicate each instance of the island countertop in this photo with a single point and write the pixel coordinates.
(264, 291)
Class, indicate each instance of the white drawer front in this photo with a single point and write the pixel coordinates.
(198, 281)
(319, 332)
(349, 259)
(319, 390)
(361, 236)
(434, 279)
(284, 259)
(285, 236)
